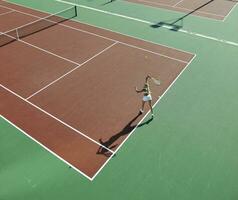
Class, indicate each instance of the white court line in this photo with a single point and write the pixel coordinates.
(127, 44)
(152, 23)
(75, 63)
(35, 21)
(57, 119)
(190, 10)
(91, 26)
(71, 71)
(162, 55)
(209, 37)
(113, 153)
(119, 147)
(199, 16)
(36, 47)
(8, 12)
(157, 101)
(230, 12)
(141, 120)
(60, 24)
(48, 52)
(177, 3)
(46, 148)
(228, 42)
(203, 12)
(172, 10)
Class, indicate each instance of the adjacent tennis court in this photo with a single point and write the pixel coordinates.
(213, 9)
(69, 112)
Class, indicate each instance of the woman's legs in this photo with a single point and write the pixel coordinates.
(151, 109)
(142, 107)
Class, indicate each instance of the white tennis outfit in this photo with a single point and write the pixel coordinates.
(147, 94)
(147, 97)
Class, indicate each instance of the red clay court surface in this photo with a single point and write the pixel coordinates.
(71, 87)
(214, 9)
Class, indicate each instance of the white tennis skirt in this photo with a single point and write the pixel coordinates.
(147, 98)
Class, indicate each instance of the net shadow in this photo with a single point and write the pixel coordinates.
(176, 24)
(37, 26)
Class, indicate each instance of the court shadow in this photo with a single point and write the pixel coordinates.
(111, 1)
(110, 143)
(176, 24)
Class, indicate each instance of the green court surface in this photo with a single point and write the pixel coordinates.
(188, 152)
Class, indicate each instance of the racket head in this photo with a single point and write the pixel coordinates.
(156, 81)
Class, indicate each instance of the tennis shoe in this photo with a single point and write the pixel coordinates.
(141, 111)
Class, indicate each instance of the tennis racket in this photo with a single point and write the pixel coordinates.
(156, 81)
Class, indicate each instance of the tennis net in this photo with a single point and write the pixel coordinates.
(38, 25)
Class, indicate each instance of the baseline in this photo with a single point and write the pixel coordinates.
(46, 148)
(52, 116)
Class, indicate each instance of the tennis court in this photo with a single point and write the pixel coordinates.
(217, 10)
(72, 63)
(70, 113)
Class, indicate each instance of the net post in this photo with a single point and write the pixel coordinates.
(17, 34)
(36, 26)
(76, 11)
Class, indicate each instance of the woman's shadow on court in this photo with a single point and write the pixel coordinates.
(125, 131)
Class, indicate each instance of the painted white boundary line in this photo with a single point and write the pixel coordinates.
(91, 26)
(203, 17)
(230, 12)
(177, 3)
(157, 101)
(122, 16)
(60, 24)
(8, 12)
(207, 13)
(80, 30)
(189, 10)
(57, 119)
(107, 47)
(71, 71)
(151, 23)
(119, 147)
(162, 55)
(38, 19)
(48, 52)
(209, 38)
(126, 44)
(47, 149)
(137, 38)
(113, 152)
(141, 119)
(139, 20)
(192, 33)
(173, 11)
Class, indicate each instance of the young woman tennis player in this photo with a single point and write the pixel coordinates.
(147, 95)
